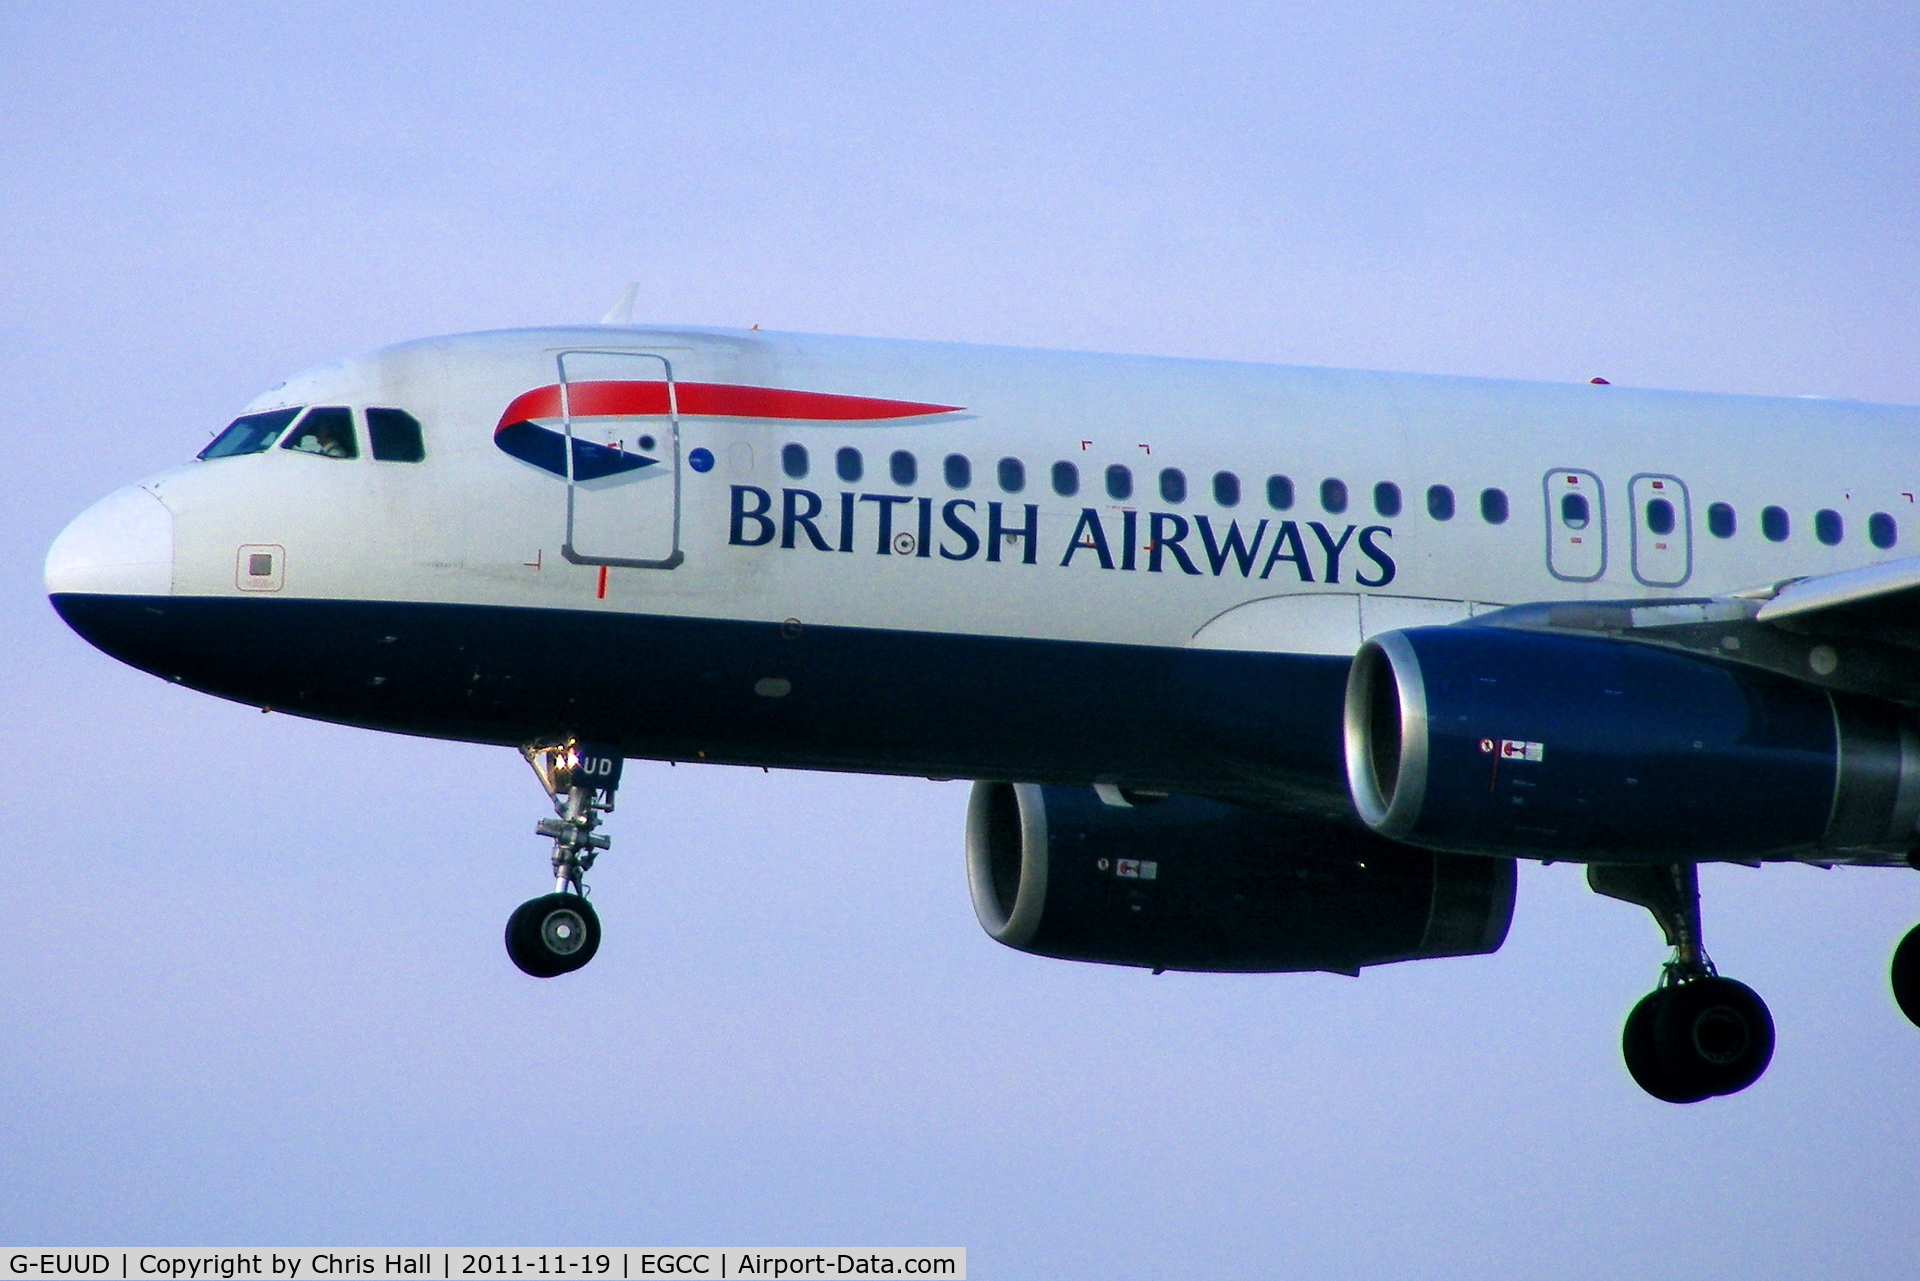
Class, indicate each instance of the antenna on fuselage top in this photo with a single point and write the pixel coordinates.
(621, 313)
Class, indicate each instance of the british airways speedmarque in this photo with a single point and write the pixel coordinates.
(1261, 668)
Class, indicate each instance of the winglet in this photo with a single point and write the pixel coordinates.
(621, 313)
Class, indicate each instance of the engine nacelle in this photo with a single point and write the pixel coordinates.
(1187, 884)
(1489, 740)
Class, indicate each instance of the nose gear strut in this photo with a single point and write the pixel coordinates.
(559, 932)
(1697, 1034)
(581, 781)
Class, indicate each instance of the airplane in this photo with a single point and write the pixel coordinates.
(1260, 668)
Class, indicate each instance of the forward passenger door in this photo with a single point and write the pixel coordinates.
(620, 416)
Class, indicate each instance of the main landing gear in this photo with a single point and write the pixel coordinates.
(1697, 1035)
(558, 933)
(1906, 975)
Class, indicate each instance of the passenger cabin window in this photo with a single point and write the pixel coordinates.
(1493, 506)
(1774, 524)
(1119, 482)
(327, 432)
(959, 471)
(249, 435)
(1333, 495)
(1066, 479)
(1660, 517)
(1575, 513)
(1386, 498)
(1013, 475)
(1881, 531)
(793, 460)
(394, 436)
(903, 467)
(847, 465)
(1226, 489)
(1173, 485)
(1827, 526)
(1280, 492)
(1720, 521)
(1439, 502)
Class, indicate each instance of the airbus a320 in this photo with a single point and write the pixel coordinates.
(1260, 668)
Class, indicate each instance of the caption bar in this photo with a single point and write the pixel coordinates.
(414, 1264)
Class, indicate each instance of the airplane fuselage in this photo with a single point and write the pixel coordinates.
(1188, 624)
(953, 561)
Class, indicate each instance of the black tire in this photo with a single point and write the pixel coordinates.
(528, 962)
(553, 934)
(1906, 975)
(1643, 1059)
(1713, 1035)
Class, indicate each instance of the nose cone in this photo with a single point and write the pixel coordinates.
(120, 546)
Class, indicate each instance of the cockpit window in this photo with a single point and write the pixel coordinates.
(394, 435)
(327, 431)
(249, 435)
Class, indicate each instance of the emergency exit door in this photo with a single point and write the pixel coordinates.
(1576, 526)
(1662, 530)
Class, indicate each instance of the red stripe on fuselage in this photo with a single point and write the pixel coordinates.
(708, 400)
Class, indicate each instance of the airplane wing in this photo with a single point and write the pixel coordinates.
(1855, 630)
(1888, 592)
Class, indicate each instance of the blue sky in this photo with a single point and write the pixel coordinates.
(252, 988)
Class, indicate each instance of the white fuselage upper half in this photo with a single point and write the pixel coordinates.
(1020, 493)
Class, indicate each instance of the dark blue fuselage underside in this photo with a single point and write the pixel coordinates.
(1257, 728)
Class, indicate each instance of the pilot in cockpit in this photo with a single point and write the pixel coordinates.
(325, 432)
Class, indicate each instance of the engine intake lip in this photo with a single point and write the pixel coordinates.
(1385, 734)
(1007, 859)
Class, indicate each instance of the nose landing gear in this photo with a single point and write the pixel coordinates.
(553, 934)
(558, 933)
(1697, 1035)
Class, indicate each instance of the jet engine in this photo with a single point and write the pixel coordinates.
(1181, 883)
(1488, 740)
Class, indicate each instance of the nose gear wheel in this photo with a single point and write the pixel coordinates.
(553, 934)
(559, 932)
